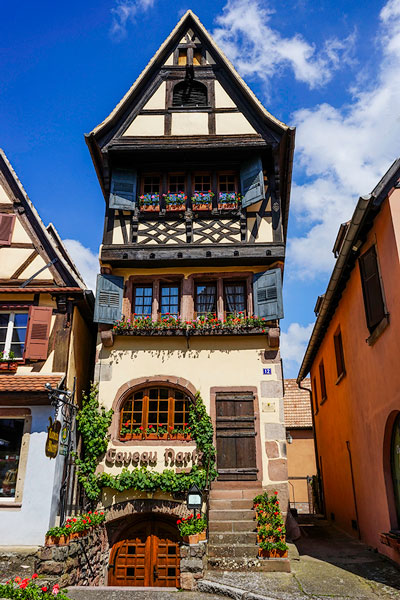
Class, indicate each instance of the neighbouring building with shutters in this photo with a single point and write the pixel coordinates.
(46, 336)
(300, 447)
(185, 264)
(352, 358)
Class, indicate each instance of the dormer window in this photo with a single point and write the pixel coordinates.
(189, 93)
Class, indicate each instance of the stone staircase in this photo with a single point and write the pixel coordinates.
(232, 528)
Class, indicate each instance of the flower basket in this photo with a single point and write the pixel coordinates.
(51, 540)
(191, 539)
(126, 437)
(8, 365)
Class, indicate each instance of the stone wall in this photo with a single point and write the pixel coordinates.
(193, 564)
(83, 561)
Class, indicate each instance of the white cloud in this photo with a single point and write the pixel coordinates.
(293, 346)
(87, 262)
(125, 11)
(344, 152)
(258, 50)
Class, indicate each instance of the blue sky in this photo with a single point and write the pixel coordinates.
(328, 68)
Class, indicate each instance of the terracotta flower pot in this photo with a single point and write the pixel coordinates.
(8, 366)
(272, 553)
(76, 534)
(150, 208)
(50, 540)
(203, 536)
(227, 205)
(175, 207)
(191, 539)
(205, 206)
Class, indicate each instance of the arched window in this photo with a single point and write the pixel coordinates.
(156, 410)
(189, 93)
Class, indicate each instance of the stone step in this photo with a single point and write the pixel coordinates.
(230, 515)
(232, 539)
(233, 504)
(234, 494)
(136, 593)
(232, 526)
(248, 550)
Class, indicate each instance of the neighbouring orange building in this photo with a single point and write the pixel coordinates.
(353, 361)
(300, 447)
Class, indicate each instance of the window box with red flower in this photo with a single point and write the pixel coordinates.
(202, 200)
(175, 202)
(229, 200)
(149, 203)
(8, 362)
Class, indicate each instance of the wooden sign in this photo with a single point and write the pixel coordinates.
(53, 436)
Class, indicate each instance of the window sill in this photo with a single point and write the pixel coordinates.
(379, 329)
(155, 437)
(341, 376)
(14, 505)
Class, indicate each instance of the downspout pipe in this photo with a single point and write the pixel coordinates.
(315, 447)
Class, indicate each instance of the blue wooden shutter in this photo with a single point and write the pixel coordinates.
(267, 294)
(252, 181)
(123, 189)
(108, 305)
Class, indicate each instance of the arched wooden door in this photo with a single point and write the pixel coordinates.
(148, 555)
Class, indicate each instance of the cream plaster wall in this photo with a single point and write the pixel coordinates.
(146, 125)
(170, 60)
(208, 362)
(4, 199)
(232, 123)
(37, 264)
(117, 233)
(222, 99)
(264, 231)
(157, 101)
(189, 123)
(19, 234)
(11, 259)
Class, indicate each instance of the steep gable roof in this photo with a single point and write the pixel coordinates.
(49, 247)
(189, 20)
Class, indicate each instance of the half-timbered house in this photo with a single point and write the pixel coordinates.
(196, 177)
(46, 337)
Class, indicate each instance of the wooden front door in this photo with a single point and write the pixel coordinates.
(236, 436)
(148, 555)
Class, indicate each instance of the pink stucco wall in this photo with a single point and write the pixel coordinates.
(358, 407)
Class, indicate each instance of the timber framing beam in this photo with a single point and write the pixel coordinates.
(129, 255)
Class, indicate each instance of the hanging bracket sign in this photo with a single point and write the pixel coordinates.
(53, 437)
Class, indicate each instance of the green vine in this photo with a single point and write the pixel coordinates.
(93, 424)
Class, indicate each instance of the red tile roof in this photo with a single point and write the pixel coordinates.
(297, 404)
(28, 383)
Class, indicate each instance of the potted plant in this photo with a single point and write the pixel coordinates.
(229, 200)
(56, 536)
(7, 361)
(202, 200)
(28, 589)
(270, 528)
(149, 203)
(175, 202)
(192, 529)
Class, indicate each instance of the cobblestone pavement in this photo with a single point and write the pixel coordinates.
(325, 564)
